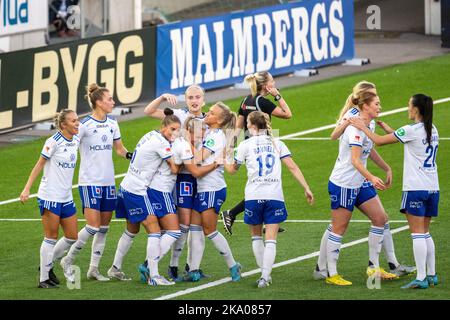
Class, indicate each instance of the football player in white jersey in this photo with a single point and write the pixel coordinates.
(368, 208)
(264, 201)
(186, 184)
(58, 159)
(211, 192)
(99, 135)
(133, 201)
(160, 194)
(346, 192)
(420, 182)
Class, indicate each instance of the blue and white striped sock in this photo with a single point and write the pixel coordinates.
(431, 260)
(375, 243)
(98, 246)
(61, 247)
(388, 246)
(153, 250)
(83, 236)
(196, 245)
(222, 246)
(178, 246)
(333, 249)
(258, 249)
(167, 240)
(123, 246)
(322, 261)
(270, 252)
(420, 254)
(46, 254)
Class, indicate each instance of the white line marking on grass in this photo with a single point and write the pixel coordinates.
(330, 126)
(307, 139)
(256, 271)
(288, 221)
(292, 135)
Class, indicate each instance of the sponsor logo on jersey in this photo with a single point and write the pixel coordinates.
(99, 147)
(248, 213)
(66, 165)
(210, 143)
(400, 132)
(135, 211)
(279, 212)
(416, 204)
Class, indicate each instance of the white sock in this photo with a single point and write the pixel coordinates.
(270, 252)
(333, 249)
(431, 260)
(124, 244)
(375, 243)
(258, 249)
(98, 245)
(46, 253)
(420, 254)
(322, 261)
(196, 246)
(388, 246)
(167, 240)
(61, 247)
(222, 246)
(178, 246)
(153, 250)
(83, 236)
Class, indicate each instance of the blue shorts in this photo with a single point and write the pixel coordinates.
(212, 199)
(61, 209)
(342, 197)
(98, 198)
(264, 211)
(162, 202)
(366, 192)
(185, 190)
(420, 203)
(133, 207)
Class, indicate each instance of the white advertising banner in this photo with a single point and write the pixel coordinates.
(18, 16)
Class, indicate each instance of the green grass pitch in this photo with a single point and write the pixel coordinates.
(313, 105)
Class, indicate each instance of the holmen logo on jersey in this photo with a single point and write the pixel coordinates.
(400, 132)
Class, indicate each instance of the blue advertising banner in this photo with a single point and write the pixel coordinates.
(221, 50)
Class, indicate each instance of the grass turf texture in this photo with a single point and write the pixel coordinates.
(313, 105)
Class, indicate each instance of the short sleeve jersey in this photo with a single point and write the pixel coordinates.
(164, 180)
(344, 174)
(419, 163)
(150, 152)
(61, 155)
(262, 157)
(215, 142)
(96, 145)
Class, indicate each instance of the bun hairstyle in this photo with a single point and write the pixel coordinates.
(424, 104)
(169, 118)
(364, 98)
(257, 81)
(94, 93)
(352, 100)
(60, 118)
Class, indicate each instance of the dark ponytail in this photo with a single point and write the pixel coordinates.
(169, 118)
(424, 104)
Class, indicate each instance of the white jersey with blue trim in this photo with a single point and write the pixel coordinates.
(150, 152)
(96, 145)
(419, 163)
(215, 141)
(344, 174)
(262, 156)
(354, 112)
(61, 155)
(183, 114)
(164, 180)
